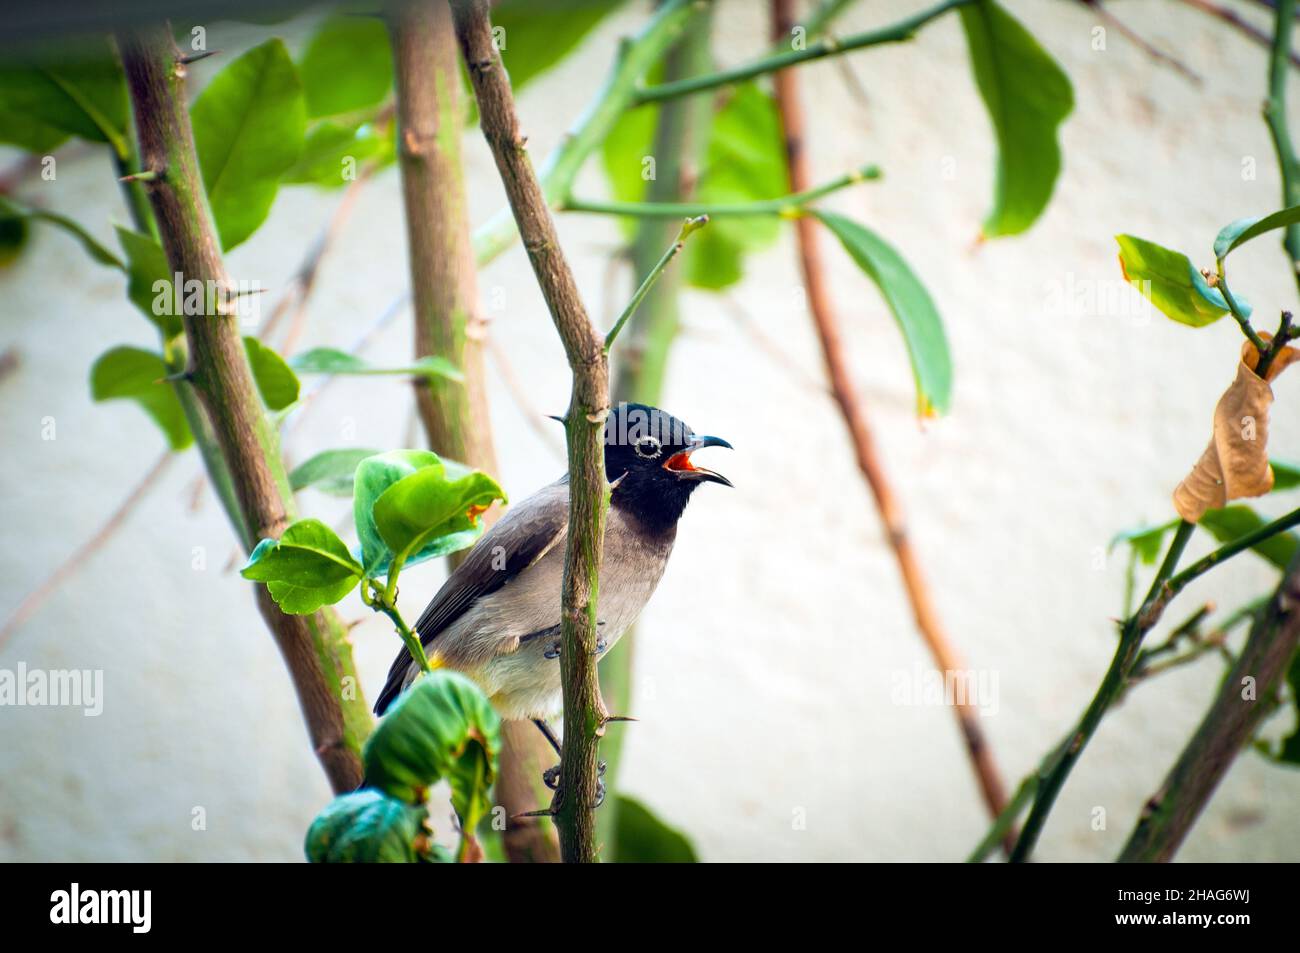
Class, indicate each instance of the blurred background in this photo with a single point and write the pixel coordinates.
(768, 663)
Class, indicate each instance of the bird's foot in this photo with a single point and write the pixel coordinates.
(551, 778)
(553, 650)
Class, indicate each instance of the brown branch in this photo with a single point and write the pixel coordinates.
(584, 710)
(430, 117)
(1227, 727)
(38, 596)
(851, 407)
(1142, 43)
(1235, 21)
(315, 648)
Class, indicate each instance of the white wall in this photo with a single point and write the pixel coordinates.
(767, 659)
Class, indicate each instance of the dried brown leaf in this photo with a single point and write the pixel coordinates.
(1235, 464)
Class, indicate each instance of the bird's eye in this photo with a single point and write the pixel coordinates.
(647, 448)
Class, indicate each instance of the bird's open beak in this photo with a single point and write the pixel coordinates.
(680, 462)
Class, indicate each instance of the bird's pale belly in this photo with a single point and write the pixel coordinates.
(513, 655)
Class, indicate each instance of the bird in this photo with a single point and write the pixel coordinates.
(496, 619)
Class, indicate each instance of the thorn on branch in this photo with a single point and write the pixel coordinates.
(188, 58)
(147, 175)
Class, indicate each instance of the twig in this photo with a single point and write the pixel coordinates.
(38, 596)
(898, 32)
(688, 227)
(585, 714)
(856, 421)
(1236, 22)
(1150, 49)
(1228, 725)
(787, 206)
(315, 648)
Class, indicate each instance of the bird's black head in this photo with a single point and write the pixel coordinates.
(648, 463)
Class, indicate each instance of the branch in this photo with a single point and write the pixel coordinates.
(1228, 725)
(454, 414)
(315, 648)
(1164, 588)
(1057, 768)
(1150, 49)
(557, 172)
(1275, 117)
(899, 32)
(858, 425)
(788, 206)
(584, 710)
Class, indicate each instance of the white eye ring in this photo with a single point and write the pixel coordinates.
(647, 448)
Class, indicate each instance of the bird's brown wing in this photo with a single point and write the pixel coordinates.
(526, 533)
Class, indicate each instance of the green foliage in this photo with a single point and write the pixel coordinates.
(441, 728)
(308, 567)
(427, 517)
(146, 265)
(12, 211)
(347, 66)
(366, 826)
(1169, 281)
(744, 162)
(642, 838)
(137, 374)
(275, 379)
(1028, 96)
(431, 512)
(248, 131)
(927, 345)
(533, 37)
(327, 147)
(58, 93)
(329, 471)
(1286, 476)
(326, 360)
(1244, 229)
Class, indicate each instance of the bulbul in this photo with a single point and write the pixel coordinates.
(497, 617)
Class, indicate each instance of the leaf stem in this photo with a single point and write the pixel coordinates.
(787, 206)
(381, 600)
(1276, 120)
(1238, 316)
(689, 226)
(819, 49)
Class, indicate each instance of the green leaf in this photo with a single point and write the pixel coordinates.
(366, 827)
(533, 37)
(442, 727)
(325, 360)
(372, 477)
(433, 512)
(744, 162)
(1169, 281)
(308, 567)
(1286, 476)
(61, 92)
(137, 374)
(13, 239)
(1147, 541)
(330, 471)
(927, 345)
(276, 381)
(333, 153)
(248, 132)
(10, 210)
(1233, 522)
(642, 838)
(1244, 229)
(1027, 96)
(146, 267)
(348, 65)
